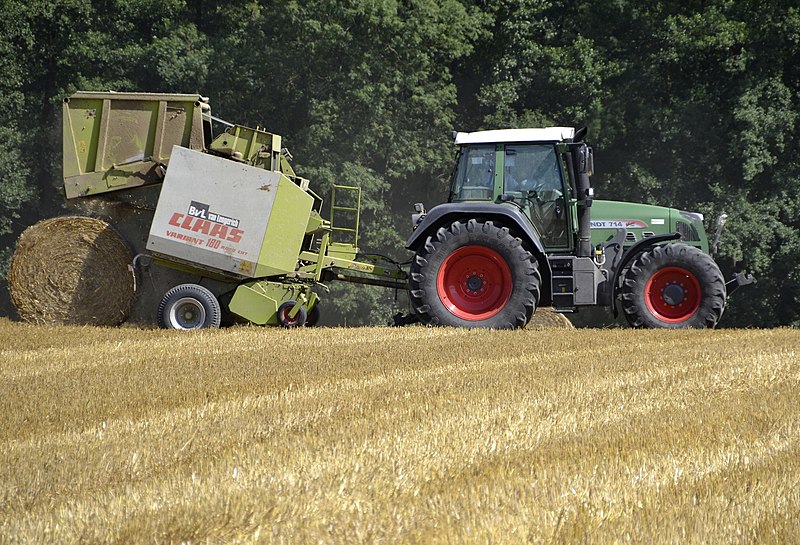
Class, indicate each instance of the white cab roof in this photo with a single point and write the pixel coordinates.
(547, 134)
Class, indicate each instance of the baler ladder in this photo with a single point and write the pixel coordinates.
(354, 211)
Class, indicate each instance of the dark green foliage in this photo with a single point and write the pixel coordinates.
(689, 104)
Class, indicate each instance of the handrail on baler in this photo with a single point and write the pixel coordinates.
(356, 209)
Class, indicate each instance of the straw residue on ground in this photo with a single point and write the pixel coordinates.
(549, 318)
(411, 435)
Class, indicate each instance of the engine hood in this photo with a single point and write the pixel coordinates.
(639, 219)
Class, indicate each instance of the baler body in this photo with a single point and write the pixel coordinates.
(114, 141)
(229, 217)
(227, 208)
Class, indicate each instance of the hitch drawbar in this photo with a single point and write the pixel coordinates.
(739, 279)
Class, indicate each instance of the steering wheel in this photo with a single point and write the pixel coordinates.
(555, 195)
(530, 185)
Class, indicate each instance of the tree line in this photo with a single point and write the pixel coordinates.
(690, 104)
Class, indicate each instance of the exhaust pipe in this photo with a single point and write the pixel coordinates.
(583, 158)
(720, 225)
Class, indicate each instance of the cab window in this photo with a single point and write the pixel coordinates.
(474, 178)
(532, 167)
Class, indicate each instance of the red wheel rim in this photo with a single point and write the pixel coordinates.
(285, 319)
(673, 294)
(474, 283)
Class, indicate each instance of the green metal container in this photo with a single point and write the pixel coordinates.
(115, 141)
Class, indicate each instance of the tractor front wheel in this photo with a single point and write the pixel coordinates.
(474, 274)
(673, 286)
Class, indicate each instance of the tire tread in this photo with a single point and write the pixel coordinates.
(424, 295)
(692, 259)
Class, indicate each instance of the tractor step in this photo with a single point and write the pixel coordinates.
(563, 282)
(574, 281)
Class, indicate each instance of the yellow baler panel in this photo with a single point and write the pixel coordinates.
(285, 230)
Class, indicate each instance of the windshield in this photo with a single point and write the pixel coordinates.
(531, 167)
(474, 177)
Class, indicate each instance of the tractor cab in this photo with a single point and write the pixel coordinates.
(526, 168)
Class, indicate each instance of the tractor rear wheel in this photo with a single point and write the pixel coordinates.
(474, 274)
(189, 306)
(673, 286)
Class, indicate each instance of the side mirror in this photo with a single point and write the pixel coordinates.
(585, 160)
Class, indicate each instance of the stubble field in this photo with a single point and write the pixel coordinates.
(412, 435)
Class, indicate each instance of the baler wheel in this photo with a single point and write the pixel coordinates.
(313, 316)
(189, 306)
(284, 318)
(474, 274)
(673, 286)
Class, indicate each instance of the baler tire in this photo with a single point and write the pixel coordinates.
(189, 306)
(283, 315)
(313, 316)
(697, 289)
(474, 274)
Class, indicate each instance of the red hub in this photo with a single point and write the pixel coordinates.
(673, 294)
(285, 319)
(474, 283)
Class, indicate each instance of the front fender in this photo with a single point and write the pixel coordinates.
(631, 254)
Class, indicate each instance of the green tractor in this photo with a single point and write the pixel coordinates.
(521, 229)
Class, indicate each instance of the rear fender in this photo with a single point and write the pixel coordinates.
(506, 215)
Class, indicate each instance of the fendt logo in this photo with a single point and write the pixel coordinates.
(200, 219)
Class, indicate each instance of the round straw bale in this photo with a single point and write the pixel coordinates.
(71, 270)
(547, 317)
